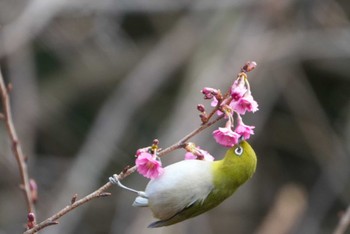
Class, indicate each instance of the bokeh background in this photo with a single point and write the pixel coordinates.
(93, 81)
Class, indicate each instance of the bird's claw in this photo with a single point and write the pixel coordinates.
(114, 179)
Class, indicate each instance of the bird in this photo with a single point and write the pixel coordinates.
(191, 187)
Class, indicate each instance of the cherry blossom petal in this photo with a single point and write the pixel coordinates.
(226, 137)
(148, 166)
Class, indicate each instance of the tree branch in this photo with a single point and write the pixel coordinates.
(16, 146)
(343, 222)
(74, 204)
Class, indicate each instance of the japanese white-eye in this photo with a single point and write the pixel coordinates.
(191, 187)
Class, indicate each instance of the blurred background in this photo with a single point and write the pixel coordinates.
(93, 81)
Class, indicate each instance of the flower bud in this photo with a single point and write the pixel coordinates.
(204, 117)
(201, 108)
(249, 66)
(155, 142)
(31, 217)
(209, 93)
(31, 220)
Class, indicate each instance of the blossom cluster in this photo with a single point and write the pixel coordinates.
(233, 105)
(237, 103)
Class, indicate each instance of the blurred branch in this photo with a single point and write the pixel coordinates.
(82, 79)
(39, 13)
(34, 18)
(343, 222)
(289, 204)
(325, 144)
(16, 146)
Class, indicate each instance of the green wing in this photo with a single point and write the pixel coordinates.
(196, 208)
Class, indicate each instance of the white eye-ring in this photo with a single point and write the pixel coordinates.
(239, 151)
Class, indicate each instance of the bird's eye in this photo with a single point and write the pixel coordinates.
(239, 151)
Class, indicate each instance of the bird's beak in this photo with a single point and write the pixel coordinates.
(241, 139)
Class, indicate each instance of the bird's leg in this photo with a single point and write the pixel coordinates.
(114, 180)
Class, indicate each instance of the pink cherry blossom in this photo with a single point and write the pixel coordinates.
(246, 103)
(209, 93)
(206, 155)
(199, 154)
(148, 166)
(244, 130)
(214, 103)
(142, 150)
(238, 90)
(190, 156)
(226, 137)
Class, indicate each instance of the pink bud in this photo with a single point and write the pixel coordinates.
(203, 117)
(155, 142)
(31, 217)
(31, 220)
(209, 93)
(249, 66)
(201, 108)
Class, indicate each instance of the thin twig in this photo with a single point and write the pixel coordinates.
(53, 219)
(343, 222)
(16, 146)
